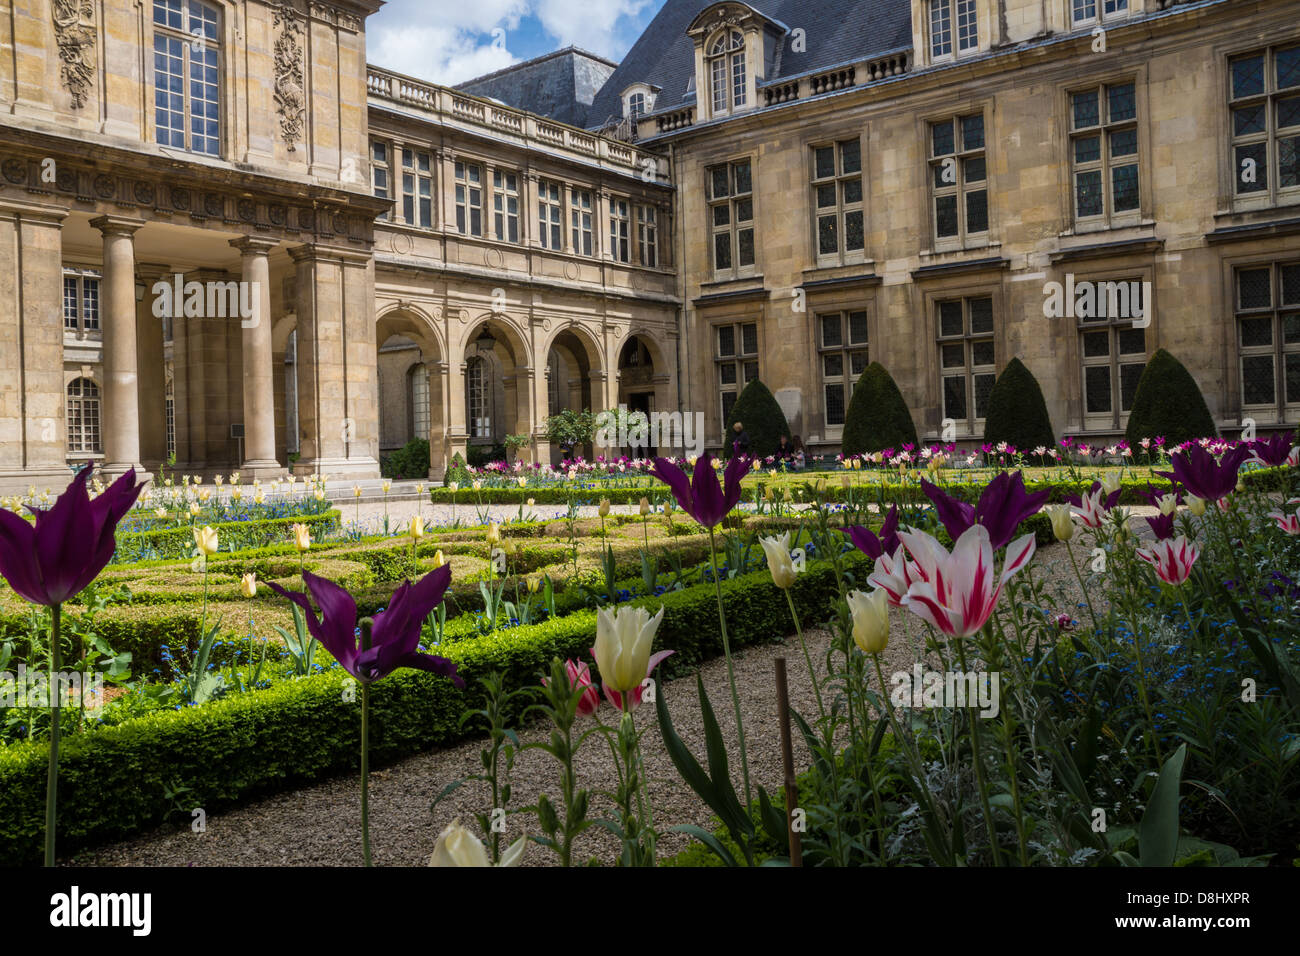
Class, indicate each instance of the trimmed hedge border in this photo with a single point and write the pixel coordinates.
(133, 545)
(112, 780)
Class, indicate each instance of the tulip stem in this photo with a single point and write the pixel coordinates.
(978, 761)
(1069, 549)
(52, 781)
(812, 672)
(731, 673)
(366, 626)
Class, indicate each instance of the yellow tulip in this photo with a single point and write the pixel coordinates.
(160, 512)
(530, 502)
(1196, 505)
(205, 539)
(454, 486)
(1062, 522)
(195, 510)
(416, 529)
(604, 507)
(779, 563)
(534, 582)
(248, 585)
(301, 537)
(456, 846)
(870, 620)
(623, 641)
(645, 507)
(1110, 482)
(438, 559)
(494, 534)
(356, 491)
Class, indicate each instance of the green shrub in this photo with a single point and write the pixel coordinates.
(1017, 413)
(409, 461)
(233, 535)
(763, 419)
(480, 455)
(877, 416)
(1169, 403)
(457, 471)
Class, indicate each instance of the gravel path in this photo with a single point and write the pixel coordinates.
(318, 825)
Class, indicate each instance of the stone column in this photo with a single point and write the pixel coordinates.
(33, 429)
(457, 433)
(152, 364)
(259, 367)
(121, 409)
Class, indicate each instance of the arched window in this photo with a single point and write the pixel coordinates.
(635, 106)
(187, 91)
(478, 398)
(727, 71)
(83, 416)
(419, 391)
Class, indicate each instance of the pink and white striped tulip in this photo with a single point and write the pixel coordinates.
(1172, 558)
(957, 592)
(1091, 510)
(1290, 523)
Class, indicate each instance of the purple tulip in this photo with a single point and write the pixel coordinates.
(395, 632)
(865, 540)
(1003, 504)
(1272, 452)
(1197, 471)
(702, 497)
(1162, 526)
(1110, 501)
(53, 560)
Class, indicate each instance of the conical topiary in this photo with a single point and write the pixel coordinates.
(763, 419)
(1017, 413)
(1169, 403)
(877, 417)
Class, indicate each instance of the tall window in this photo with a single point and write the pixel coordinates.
(469, 199)
(81, 300)
(843, 350)
(726, 70)
(381, 174)
(731, 214)
(966, 360)
(635, 106)
(505, 204)
(837, 197)
(942, 15)
(1104, 151)
(169, 399)
(553, 374)
(187, 99)
(581, 216)
(1268, 322)
(550, 214)
(620, 226)
(736, 360)
(1265, 103)
(647, 235)
(420, 401)
(1114, 353)
(417, 188)
(959, 177)
(478, 398)
(1085, 11)
(83, 416)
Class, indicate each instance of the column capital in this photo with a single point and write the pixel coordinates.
(116, 225)
(153, 270)
(254, 245)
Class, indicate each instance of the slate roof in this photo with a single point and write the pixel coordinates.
(560, 85)
(838, 31)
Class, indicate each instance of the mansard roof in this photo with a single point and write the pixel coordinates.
(559, 85)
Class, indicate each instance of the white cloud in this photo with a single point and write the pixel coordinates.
(590, 25)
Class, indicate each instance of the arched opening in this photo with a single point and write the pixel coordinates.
(411, 383)
(571, 359)
(497, 383)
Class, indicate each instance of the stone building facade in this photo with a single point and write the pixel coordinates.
(778, 189)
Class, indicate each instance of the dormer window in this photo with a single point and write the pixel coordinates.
(636, 106)
(726, 70)
(954, 27)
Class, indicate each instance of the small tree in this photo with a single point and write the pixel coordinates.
(763, 419)
(877, 417)
(1017, 413)
(570, 429)
(1169, 403)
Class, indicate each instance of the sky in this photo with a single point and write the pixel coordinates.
(450, 41)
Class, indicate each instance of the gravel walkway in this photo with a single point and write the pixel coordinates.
(318, 825)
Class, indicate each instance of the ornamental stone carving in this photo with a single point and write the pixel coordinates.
(74, 34)
(290, 100)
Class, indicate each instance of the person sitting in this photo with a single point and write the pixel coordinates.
(784, 452)
(740, 443)
(798, 458)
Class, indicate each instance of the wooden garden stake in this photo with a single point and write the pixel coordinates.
(787, 761)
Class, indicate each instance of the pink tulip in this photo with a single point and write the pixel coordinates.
(1172, 559)
(894, 575)
(1092, 508)
(1290, 523)
(580, 676)
(957, 592)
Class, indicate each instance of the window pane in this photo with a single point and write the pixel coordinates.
(745, 239)
(1291, 284)
(827, 235)
(1288, 68)
(954, 397)
(858, 326)
(977, 211)
(972, 132)
(852, 192)
(1132, 342)
(722, 251)
(1257, 385)
(981, 316)
(981, 353)
(954, 355)
(945, 215)
(825, 197)
(825, 161)
(1254, 290)
(727, 373)
(1124, 142)
(1293, 378)
(1288, 112)
(1248, 76)
(973, 169)
(832, 334)
(749, 339)
(942, 136)
(745, 210)
(1288, 161)
(1257, 331)
(1086, 111)
(854, 233)
(726, 340)
(1087, 149)
(1291, 329)
(950, 319)
(743, 180)
(857, 363)
(1096, 389)
(833, 364)
(728, 402)
(983, 387)
(720, 182)
(1252, 168)
(1124, 184)
(1087, 193)
(1096, 344)
(1129, 376)
(751, 371)
(722, 215)
(850, 157)
(835, 404)
(1121, 102)
(1249, 119)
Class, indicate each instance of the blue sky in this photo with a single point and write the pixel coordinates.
(449, 41)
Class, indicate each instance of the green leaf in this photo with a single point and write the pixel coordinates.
(773, 822)
(737, 821)
(1158, 832)
(709, 840)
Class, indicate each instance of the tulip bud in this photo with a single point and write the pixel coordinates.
(604, 507)
(623, 640)
(205, 539)
(509, 546)
(301, 537)
(522, 480)
(1110, 482)
(1062, 523)
(416, 530)
(534, 582)
(645, 507)
(531, 502)
(387, 485)
(456, 846)
(356, 491)
(870, 620)
(1196, 505)
(419, 488)
(494, 534)
(478, 485)
(438, 559)
(1168, 504)
(195, 510)
(160, 512)
(454, 486)
(669, 508)
(248, 585)
(777, 550)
